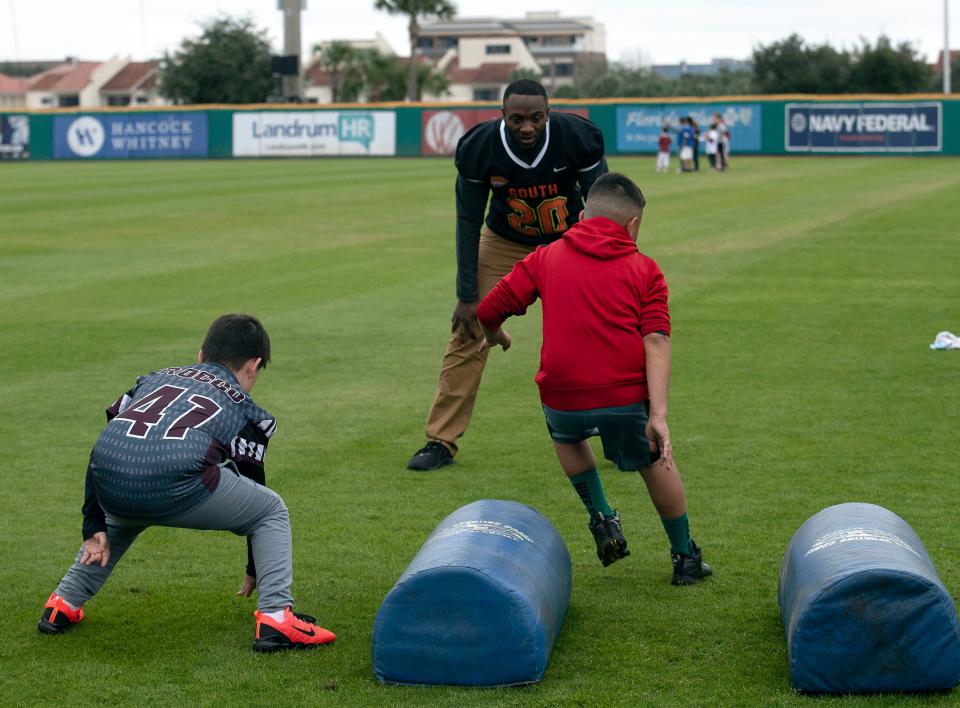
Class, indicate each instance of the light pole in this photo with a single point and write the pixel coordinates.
(291, 45)
(946, 46)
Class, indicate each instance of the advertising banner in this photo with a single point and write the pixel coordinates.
(863, 127)
(130, 135)
(14, 137)
(638, 127)
(442, 129)
(309, 133)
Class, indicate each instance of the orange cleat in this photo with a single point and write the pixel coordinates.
(297, 631)
(57, 616)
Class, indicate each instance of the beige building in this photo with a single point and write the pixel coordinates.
(13, 92)
(73, 83)
(84, 84)
(480, 68)
(481, 55)
(541, 42)
(136, 84)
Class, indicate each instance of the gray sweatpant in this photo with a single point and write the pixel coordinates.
(239, 505)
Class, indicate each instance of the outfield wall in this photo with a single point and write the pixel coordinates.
(917, 124)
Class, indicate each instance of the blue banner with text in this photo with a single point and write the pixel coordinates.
(639, 127)
(863, 127)
(130, 135)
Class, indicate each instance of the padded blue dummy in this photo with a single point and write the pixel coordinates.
(480, 604)
(863, 607)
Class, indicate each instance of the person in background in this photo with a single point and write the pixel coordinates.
(696, 143)
(663, 150)
(685, 145)
(710, 144)
(723, 146)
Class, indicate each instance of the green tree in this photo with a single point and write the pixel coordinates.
(524, 73)
(831, 69)
(414, 10)
(631, 81)
(610, 83)
(936, 78)
(885, 68)
(567, 91)
(431, 81)
(344, 65)
(790, 66)
(25, 68)
(228, 63)
(385, 78)
(723, 83)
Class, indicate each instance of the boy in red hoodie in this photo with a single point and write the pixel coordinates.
(605, 362)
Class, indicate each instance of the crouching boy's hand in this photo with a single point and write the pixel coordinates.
(247, 587)
(96, 549)
(492, 338)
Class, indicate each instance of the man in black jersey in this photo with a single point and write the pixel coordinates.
(535, 167)
(171, 455)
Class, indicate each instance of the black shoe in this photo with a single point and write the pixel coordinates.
(611, 545)
(689, 568)
(431, 456)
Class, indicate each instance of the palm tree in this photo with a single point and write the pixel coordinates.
(415, 9)
(384, 78)
(337, 59)
(431, 81)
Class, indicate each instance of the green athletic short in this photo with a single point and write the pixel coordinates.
(622, 431)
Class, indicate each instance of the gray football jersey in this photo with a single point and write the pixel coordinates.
(160, 452)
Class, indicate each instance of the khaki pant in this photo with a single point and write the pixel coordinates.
(463, 363)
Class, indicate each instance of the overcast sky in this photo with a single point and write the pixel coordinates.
(648, 31)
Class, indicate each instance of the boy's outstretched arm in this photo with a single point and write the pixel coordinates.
(493, 337)
(657, 349)
(515, 292)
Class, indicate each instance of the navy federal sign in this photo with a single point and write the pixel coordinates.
(863, 127)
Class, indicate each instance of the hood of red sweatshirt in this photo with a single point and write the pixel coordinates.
(601, 238)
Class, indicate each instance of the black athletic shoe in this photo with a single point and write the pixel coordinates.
(431, 456)
(689, 568)
(611, 545)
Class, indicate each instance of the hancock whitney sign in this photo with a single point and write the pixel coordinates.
(130, 135)
(863, 127)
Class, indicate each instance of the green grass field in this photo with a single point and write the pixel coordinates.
(804, 295)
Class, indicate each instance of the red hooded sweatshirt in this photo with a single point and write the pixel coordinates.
(600, 297)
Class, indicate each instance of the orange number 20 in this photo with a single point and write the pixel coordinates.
(550, 216)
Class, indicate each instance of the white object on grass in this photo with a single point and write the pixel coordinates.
(946, 340)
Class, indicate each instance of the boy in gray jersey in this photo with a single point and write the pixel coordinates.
(171, 455)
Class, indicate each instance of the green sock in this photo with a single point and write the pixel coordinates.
(591, 494)
(678, 531)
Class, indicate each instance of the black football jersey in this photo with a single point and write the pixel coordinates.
(535, 195)
(167, 435)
